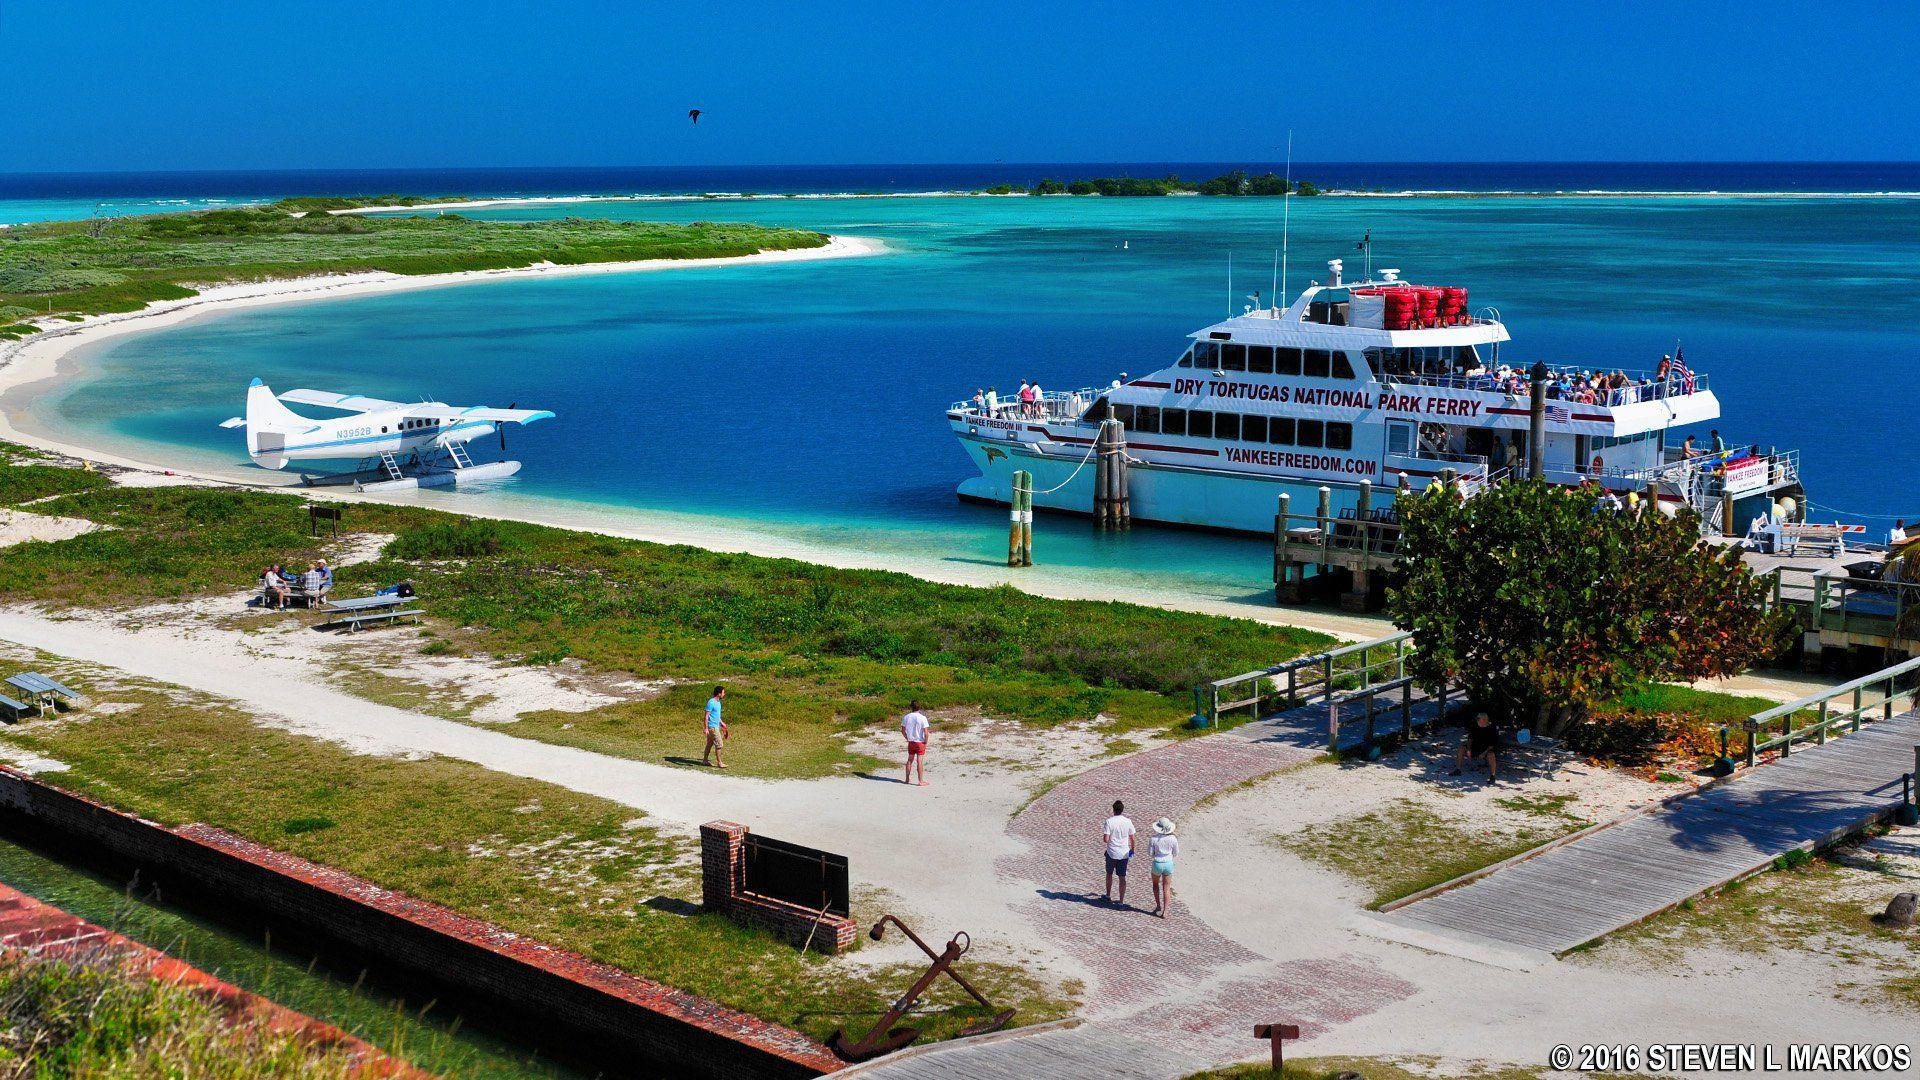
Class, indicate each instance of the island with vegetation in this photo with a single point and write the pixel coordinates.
(73, 269)
(1237, 182)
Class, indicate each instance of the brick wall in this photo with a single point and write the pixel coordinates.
(722, 853)
(37, 929)
(590, 1012)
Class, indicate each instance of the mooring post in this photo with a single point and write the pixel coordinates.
(1026, 519)
(1537, 423)
(1122, 478)
(1281, 520)
(1726, 513)
(1356, 597)
(1324, 518)
(1102, 481)
(1013, 521)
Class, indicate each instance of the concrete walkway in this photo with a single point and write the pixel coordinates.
(1644, 863)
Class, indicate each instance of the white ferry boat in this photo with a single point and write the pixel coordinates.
(1380, 381)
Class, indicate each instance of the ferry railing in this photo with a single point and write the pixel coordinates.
(1819, 716)
(1644, 386)
(1052, 405)
(1294, 682)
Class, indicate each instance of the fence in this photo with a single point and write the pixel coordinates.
(1360, 665)
(1760, 727)
(1372, 709)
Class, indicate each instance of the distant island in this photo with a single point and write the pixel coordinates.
(1237, 182)
(67, 270)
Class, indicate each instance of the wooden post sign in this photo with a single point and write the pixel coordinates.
(318, 514)
(1274, 1033)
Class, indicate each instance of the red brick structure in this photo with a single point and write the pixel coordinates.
(37, 929)
(722, 854)
(574, 1007)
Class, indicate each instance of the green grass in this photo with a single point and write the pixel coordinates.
(94, 1020)
(808, 653)
(577, 871)
(1405, 846)
(123, 264)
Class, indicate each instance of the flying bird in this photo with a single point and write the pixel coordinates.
(693, 115)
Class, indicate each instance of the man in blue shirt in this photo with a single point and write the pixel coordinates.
(716, 730)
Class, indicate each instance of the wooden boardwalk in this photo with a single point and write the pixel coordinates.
(1640, 865)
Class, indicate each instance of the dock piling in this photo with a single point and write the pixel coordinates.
(1020, 521)
(1111, 506)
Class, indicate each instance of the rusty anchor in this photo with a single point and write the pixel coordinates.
(885, 1038)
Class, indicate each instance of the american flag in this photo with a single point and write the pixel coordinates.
(1681, 370)
(1559, 413)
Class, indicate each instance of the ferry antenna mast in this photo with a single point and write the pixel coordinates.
(1286, 220)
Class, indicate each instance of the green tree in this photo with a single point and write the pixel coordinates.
(1540, 602)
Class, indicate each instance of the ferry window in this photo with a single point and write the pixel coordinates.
(1124, 414)
(1280, 430)
(1186, 359)
(1205, 354)
(1233, 358)
(1173, 421)
(1399, 438)
(1146, 419)
(1286, 361)
(1260, 358)
(1314, 363)
(1341, 368)
(1467, 358)
(1253, 428)
(1200, 424)
(1309, 433)
(1339, 436)
(1372, 356)
(1226, 425)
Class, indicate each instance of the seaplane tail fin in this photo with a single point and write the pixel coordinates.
(269, 424)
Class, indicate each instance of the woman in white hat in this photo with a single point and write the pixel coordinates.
(1162, 849)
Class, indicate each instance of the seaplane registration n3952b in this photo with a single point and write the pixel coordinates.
(400, 444)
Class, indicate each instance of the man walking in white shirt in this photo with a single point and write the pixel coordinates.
(916, 729)
(1118, 838)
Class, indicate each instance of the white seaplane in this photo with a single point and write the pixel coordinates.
(400, 444)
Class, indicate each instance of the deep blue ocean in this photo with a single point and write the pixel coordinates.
(804, 401)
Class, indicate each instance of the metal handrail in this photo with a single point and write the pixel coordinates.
(1828, 718)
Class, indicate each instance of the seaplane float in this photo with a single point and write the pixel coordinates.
(399, 444)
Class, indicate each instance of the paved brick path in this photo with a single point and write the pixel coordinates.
(1215, 988)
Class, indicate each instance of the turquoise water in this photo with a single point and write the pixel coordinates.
(806, 400)
(20, 211)
(431, 1038)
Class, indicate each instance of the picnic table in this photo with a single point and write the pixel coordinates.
(358, 611)
(42, 691)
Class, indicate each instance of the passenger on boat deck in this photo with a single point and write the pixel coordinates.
(1039, 401)
(1719, 447)
(1026, 398)
(1688, 450)
(993, 401)
(979, 399)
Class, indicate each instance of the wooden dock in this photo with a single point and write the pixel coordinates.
(1562, 896)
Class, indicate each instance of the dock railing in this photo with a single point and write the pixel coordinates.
(1293, 683)
(1774, 728)
(1370, 700)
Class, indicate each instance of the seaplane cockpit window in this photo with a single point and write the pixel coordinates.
(1260, 359)
(1315, 364)
(1309, 433)
(1173, 421)
(1286, 361)
(1233, 357)
(1200, 424)
(1226, 425)
(1339, 436)
(1146, 419)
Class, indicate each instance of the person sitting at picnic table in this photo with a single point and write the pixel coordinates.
(1481, 741)
(274, 587)
(326, 575)
(313, 584)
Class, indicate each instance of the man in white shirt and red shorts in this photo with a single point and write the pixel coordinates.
(916, 729)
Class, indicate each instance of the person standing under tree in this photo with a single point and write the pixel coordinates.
(915, 729)
(716, 730)
(1118, 837)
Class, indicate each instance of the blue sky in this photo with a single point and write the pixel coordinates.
(190, 85)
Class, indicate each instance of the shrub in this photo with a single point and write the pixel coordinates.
(464, 539)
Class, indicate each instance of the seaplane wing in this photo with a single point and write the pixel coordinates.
(348, 402)
(478, 412)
